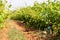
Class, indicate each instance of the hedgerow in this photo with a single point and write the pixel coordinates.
(40, 15)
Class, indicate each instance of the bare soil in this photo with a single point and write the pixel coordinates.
(30, 34)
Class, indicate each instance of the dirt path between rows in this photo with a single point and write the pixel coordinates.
(30, 34)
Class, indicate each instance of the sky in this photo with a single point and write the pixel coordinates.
(22, 3)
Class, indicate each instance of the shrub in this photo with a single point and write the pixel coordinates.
(3, 14)
(40, 15)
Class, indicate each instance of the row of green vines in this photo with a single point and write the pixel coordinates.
(40, 16)
(3, 14)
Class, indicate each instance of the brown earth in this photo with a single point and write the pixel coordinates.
(30, 34)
